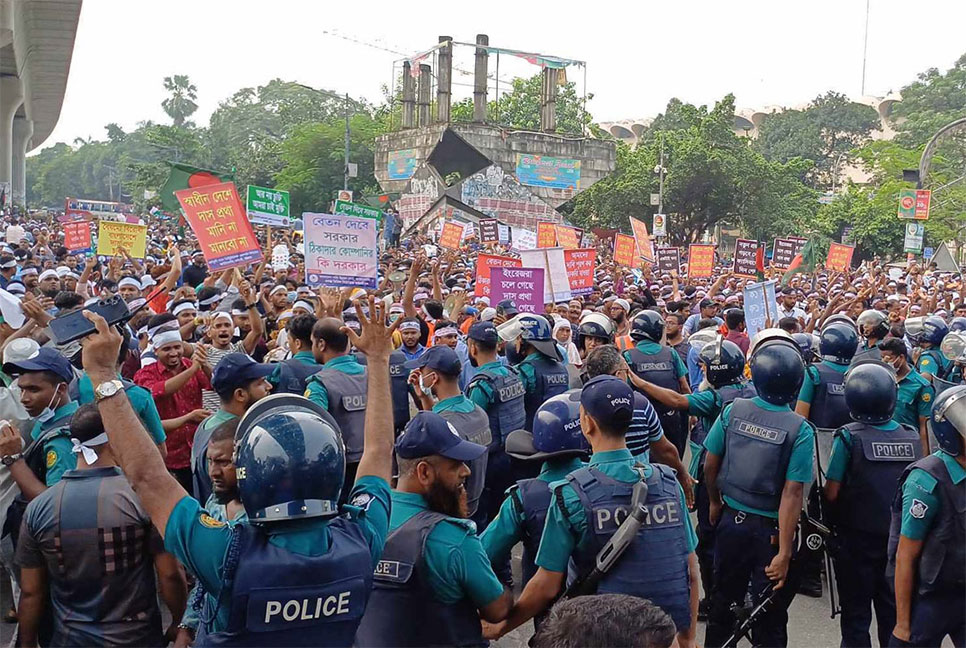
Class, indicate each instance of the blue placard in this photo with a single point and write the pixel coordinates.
(760, 304)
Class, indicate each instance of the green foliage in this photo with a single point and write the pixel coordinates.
(929, 103)
(181, 104)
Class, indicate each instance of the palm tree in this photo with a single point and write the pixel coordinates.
(180, 105)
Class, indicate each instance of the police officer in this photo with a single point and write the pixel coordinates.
(399, 385)
(594, 330)
(868, 456)
(434, 581)
(931, 362)
(873, 326)
(661, 365)
(274, 581)
(436, 374)
(723, 366)
(915, 392)
(291, 376)
(822, 398)
(340, 387)
(592, 502)
(759, 457)
(927, 537)
(557, 442)
(498, 390)
(534, 352)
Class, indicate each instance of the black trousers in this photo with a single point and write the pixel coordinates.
(860, 566)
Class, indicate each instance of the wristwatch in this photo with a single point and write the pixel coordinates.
(9, 460)
(108, 389)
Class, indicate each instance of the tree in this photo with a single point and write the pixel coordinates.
(929, 103)
(181, 104)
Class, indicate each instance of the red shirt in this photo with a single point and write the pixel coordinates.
(741, 339)
(183, 401)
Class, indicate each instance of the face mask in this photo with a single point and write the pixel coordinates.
(423, 387)
(48, 412)
(513, 355)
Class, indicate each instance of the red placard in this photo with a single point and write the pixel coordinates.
(644, 248)
(77, 236)
(218, 219)
(625, 250)
(580, 270)
(484, 264)
(546, 235)
(922, 204)
(452, 236)
(700, 260)
(839, 257)
(568, 237)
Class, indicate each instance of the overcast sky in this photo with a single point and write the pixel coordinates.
(639, 54)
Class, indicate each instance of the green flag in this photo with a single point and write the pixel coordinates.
(183, 176)
(804, 261)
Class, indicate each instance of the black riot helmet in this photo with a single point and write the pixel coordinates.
(871, 393)
(647, 325)
(777, 367)
(838, 342)
(723, 361)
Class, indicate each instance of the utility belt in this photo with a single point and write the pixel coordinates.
(744, 517)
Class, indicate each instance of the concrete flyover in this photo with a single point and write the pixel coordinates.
(36, 45)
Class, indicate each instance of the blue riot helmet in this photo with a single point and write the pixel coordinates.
(837, 342)
(647, 325)
(934, 329)
(807, 346)
(957, 325)
(290, 460)
(556, 431)
(535, 330)
(777, 367)
(723, 361)
(595, 325)
(871, 392)
(948, 420)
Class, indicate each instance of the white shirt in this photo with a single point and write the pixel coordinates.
(15, 234)
(795, 312)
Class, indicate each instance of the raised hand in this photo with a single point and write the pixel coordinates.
(376, 338)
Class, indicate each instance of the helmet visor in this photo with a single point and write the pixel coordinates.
(914, 327)
(953, 347)
(510, 329)
(954, 411)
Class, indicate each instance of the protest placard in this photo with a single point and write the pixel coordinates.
(523, 239)
(522, 286)
(746, 258)
(700, 260)
(112, 236)
(485, 263)
(489, 230)
(568, 237)
(759, 305)
(452, 235)
(357, 210)
(625, 250)
(268, 206)
(839, 257)
(218, 219)
(504, 231)
(340, 250)
(643, 240)
(668, 259)
(556, 287)
(546, 235)
(580, 270)
(77, 236)
(782, 253)
(799, 242)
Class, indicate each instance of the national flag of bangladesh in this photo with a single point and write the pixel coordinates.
(804, 261)
(183, 176)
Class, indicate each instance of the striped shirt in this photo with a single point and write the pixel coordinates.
(645, 428)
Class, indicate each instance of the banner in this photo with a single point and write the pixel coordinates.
(914, 204)
(659, 225)
(546, 235)
(523, 239)
(485, 263)
(546, 171)
(567, 237)
(77, 236)
(759, 305)
(452, 235)
(357, 210)
(400, 165)
(112, 236)
(643, 239)
(782, 253)
(268, 206)
(519, 285)
(913, 238)
(489, 230)
(624, 250)
(839, 257)
(556, 286)
(580, 270)
(78, 209)
(217, 218)
(340, 251)
(504, 233)
(746, 254)
(668, 259)
(700, 260)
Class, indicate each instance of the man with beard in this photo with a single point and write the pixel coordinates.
(434, 581)
(618, 309)
(8, 268)
(197, 271)
(223, 505)
(129, 288)
(49, 283)
(410, 332)
(239, 382)
(30, 277)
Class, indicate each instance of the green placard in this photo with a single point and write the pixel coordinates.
(907, 203)
(268, 206)
(356, 209)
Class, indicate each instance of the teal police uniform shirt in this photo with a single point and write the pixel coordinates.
(838, 462)
(480, 392)
(200, 541)
(812, 380)
(456, 567)
(454, 404)
(799, 465)
(920, 501)
(58, 450)
(563, 533)
(506, 529)
(305, 357)
(650, 348)
(706, 405)
(914, 399)
(141, 402)
(932, 362)
(347, 364)
(528, 373)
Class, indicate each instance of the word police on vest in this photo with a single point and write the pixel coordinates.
(661, 514)
(305, 610)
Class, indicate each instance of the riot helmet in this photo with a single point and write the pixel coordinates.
(957, 325)
(837, 342)
(647, 325)
(807, 346)
(595, 325)
(777, 367)
(556, 431)
(535, 330)
(723, 361)
(873, 324)
(871, 393)
(934, 329)
(948, 420)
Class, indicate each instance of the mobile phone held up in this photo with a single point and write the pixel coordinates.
(74, 326)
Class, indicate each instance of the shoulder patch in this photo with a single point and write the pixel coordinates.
(308, 393)
(918, 509)
(210, 522)
(926, 397)
(362, 501)
(51, 458)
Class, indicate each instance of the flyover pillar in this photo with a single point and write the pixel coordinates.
(11, 96)
(23, 129)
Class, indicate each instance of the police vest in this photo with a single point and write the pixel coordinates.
(877, 460)
(403, 608)
(473, 427)
(399, 389)
(728, 394)
(281, 598)
(532, 499)
(658, 368)
(551, 380)
(293, 376)
(347, 404)
(864, 355)
(758, 448)
(828, 408)
(655, 565)
(506, 411)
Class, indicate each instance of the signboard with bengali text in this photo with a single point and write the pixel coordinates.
(218, 219)
(112, 236)
(547, 171)
(268, 206)
(625, 250)
(700, 260)
(546, 235)
(451, 236)
(746, 258)
(668, 259)
(580, 270)
(522, 286)
(839, 257)
(485, 263)
(340, 251)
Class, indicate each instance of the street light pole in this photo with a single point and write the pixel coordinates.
(345, 180)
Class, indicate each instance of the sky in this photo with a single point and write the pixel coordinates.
(638, 54)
